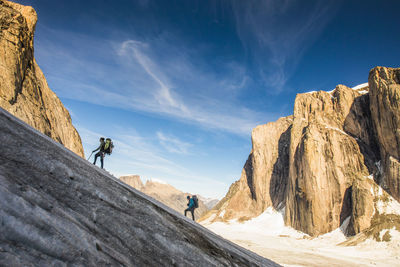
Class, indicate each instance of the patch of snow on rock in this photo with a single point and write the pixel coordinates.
(391, 248)
(391, 206)
(336, 236)
(154, 180)
(222, 214)
(360, 86)
(335, 129)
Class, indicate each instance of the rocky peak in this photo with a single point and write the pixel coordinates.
(133, 180)
(24, 91)
(264, 177)
(322, 163)
(27, 12)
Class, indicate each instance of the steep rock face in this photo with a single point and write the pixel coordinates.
(165, 193)
(385, 110)
(264, 177)
(324, 161)
(362, 205)
(377, 211)
(58, 209)
(339, 147)
(23, 88)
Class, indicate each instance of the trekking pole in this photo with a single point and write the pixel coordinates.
(90, 156)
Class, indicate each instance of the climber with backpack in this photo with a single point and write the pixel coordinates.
(108, 146)
(193, 203)
(105, 147)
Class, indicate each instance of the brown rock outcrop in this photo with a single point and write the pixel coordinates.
(324, 162)
(133, 180)
(385, 110)
(264, 176)
(362, 202)
(23, 88)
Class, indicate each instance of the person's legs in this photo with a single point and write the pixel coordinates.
(96, 156)
(192, 211)
(102, 160)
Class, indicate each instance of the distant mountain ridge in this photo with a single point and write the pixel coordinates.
(327, 162)
(24, 91)
(167, 194)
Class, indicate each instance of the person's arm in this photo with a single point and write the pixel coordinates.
(97, 148)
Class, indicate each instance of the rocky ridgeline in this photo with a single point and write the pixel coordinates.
(57, 209)
(23, 88)
(327, 162)
(165, 193)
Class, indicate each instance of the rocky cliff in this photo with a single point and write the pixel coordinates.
(264, 176)
(321, 164)
(58, 209)
(23, 88)
(165, 193)
(385, 110)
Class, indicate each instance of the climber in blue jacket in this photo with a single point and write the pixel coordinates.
(191, 206)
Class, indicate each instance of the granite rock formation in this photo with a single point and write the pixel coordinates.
(385, 109)
(165, 193)
(320, 164)
(23, 88)
(264, 176)
(57, 209)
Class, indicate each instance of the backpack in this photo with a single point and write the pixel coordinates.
(196, 201)
(108, 146)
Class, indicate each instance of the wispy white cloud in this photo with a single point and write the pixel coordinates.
(132, 75)
(164, 94)
(275, 34)
(173, 144)
(205, 100)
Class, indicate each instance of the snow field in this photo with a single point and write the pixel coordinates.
(269, 237)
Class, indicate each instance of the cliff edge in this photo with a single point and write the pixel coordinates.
(23, 88)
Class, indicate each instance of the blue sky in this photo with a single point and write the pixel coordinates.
(179, 85)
